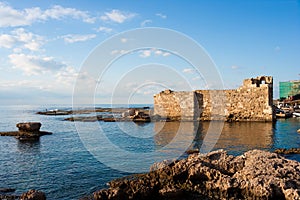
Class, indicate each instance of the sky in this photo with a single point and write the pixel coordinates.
(44, 46)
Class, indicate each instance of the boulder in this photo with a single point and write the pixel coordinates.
(29, 126)
(141, 117)
(33, 195)
(129, 113)
(254, 175)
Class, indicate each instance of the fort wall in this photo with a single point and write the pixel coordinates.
(250, 102)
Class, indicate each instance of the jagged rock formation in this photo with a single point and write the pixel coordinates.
(254, 175)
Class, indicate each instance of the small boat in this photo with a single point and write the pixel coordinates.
(296, 114)
(282, 114)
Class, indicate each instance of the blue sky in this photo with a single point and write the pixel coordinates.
(43, 45)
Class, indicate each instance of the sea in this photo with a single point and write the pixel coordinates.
(79, 158)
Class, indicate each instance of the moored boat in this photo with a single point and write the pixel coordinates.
(296, 114)
(283, 114)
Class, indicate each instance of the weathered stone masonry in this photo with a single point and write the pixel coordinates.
(250, 102)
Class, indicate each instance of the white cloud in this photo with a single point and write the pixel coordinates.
(66, 76)
(78, 38)
(124, 40)
(113, 52)
(22, 38)
(11, 17)
(161, 53)
(235, 67)
(58, 12)
(148, 52)
(117, 16)
(145, 53)
(144, 23)
(161, 15)
(166, 54)
(158, 52)
(122, 51)
(196, 78)
(188, 70)
(34, 65)
(31, 41)
(8, 84)
(104, 29)
(7, 41)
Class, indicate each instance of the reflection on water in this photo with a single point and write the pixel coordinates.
(244, 136)
(175, 135)
(29, 146)
(235, 137)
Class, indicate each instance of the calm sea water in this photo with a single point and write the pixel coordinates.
(69, 165)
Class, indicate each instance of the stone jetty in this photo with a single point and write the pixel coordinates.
(27, 131)
(254, 175)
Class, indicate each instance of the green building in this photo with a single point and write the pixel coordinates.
(289, 88)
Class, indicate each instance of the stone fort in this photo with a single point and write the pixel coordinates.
(250, 102)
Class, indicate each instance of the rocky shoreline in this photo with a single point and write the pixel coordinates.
(254, 175)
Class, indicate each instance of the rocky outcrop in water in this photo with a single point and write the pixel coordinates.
(127, 116)
(287, 151)
(29, 195)
(254, 175)
(33, 195)
(27, 131)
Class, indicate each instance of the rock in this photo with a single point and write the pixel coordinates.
(141, 117)
(27, 131)
(85, 119)
(109, 119)
(29, 126)
(254, 175)
(9, 197)
(129, 113)
(160, 165)
(7, 190)
(33, 195)
(287, 151)
(192, 151)
(55, 112)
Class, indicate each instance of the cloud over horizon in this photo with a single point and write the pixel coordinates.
(34, 65)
